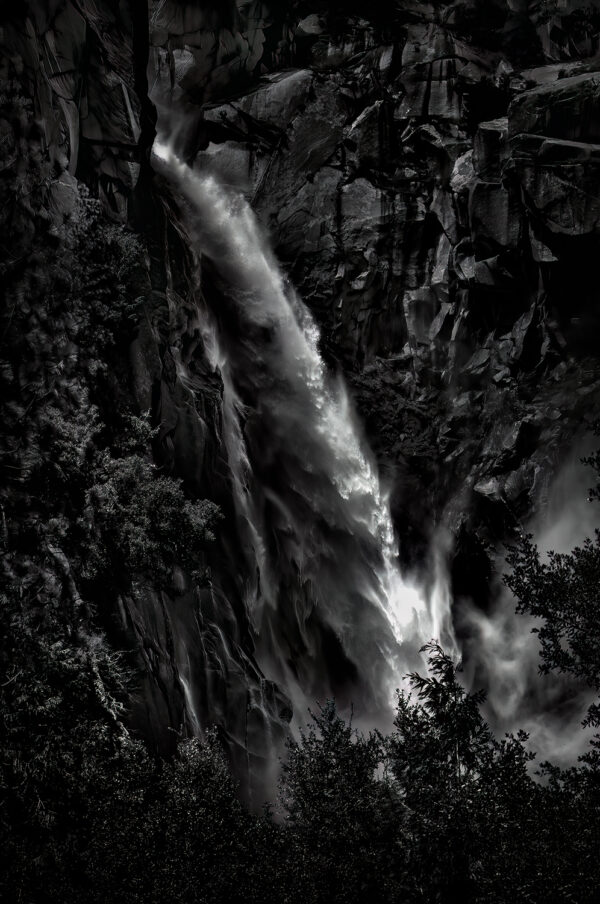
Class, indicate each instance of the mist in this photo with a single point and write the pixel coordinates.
(502, 653)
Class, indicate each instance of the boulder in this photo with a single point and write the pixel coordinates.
(493, 218)
(566, 109)
(490, 149)
(463, 173)
(429, 74)
(276, 101)
(420, 309)
(565, 196)
(363, 212)
(310, 26)
(559, 179)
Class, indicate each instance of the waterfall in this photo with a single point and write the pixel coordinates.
(329, 607)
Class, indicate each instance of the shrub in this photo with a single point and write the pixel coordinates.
(140, 523)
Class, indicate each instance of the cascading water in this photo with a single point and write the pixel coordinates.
(329, 607)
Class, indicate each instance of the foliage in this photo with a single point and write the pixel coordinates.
(61, 701)
(438, 811)
(86, 813)
(61, 465)
(563, 592)
(85, 808)
(344, 818)
(462, 789)
(105, 276)
(180, 834)
(140, 522)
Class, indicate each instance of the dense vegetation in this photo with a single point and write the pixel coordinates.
(439, 810)
(85, 516)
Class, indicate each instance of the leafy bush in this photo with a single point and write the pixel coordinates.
(107, 278)
(86, 813)
(467, 795)
(61, 701)
(345, 818)
(140, 523)
(563, 592)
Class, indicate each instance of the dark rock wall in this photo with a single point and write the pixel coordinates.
(428, 174)
(73, 123)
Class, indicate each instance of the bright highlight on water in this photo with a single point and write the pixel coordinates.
(313, 518)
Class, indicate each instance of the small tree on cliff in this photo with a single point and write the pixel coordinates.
(564, 592)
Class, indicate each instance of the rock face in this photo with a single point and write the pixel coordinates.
(434, 199)
(68, 129)
(429, 177)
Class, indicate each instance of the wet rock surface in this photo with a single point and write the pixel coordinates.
(429, 176)
(68, 131)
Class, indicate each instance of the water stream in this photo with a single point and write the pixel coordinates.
(331, 612)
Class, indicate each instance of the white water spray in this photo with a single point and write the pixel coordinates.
(313, 518)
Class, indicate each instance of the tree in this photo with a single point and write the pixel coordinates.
(564, 592)
(140, 522)
(62, 694)
(468, 798)
(178, 833)
(343, 817)
(87, 813)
